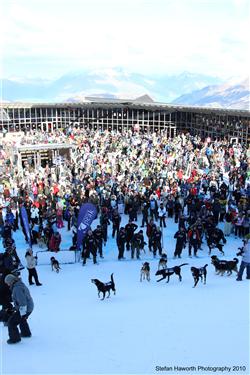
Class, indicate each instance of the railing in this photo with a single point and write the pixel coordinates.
(61, 256)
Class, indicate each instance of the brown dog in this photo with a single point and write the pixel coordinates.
(145, 271)
(222, 266)
(163, 262)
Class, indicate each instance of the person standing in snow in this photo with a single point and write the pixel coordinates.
(245, 263)
(116, 220)
(89, 247)
(24, 306)
(31, 266)
(156, 241)
(193, 240)
(121, 240)
(181, 240)
(162, 213)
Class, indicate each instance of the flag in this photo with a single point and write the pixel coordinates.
(26, 225)
(87, 214)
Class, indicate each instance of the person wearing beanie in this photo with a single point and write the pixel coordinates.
(31, 266)
(23, 304)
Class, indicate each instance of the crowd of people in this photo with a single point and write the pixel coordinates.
(203, 186)
(198, 183)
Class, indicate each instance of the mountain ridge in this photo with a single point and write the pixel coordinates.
(116, 82)
(226, 95)
(186, 88)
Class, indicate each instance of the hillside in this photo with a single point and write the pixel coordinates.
(227, 95)
(110, 83)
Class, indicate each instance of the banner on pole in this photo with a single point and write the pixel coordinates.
(87, 214)
(26, 225)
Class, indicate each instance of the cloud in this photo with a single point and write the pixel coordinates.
(142, 35)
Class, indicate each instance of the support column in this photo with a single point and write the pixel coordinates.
(34, 158)
(39, 159)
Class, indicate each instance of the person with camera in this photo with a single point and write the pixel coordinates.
(23, 307)
(245, 263)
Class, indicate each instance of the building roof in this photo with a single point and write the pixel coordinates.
(43, 146)
(144, 99)
(94, 102)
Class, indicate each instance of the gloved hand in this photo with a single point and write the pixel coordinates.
(24, 317)
(23, 310)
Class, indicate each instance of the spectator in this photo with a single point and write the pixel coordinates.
(245, 263)
(55, 241)
(162, 215)
(24, 306)
(31, 267)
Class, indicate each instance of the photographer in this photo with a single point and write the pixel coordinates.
(245, 263)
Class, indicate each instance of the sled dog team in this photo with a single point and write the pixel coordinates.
(198, 273)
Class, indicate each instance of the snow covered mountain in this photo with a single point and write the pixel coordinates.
(111, 83)
(226, 95)
(115, 83)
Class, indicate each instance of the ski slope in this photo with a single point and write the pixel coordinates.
(146, 328)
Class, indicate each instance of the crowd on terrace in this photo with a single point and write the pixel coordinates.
(199, 184)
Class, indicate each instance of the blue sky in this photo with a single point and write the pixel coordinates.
(47, 38)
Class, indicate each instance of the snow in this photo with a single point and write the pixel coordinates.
(145, 325)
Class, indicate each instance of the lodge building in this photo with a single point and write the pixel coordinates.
(118, 115)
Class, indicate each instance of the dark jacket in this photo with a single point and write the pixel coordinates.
(130, 228)
(5, 294)
(121, 237)
(180, 237)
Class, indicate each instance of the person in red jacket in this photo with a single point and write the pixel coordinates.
(55, 241)
(180, 175)
(193, 190)
(55, 189)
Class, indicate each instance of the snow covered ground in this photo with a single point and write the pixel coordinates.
(146, 328)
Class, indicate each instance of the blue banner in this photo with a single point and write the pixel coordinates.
(26, 225)
(87, 214)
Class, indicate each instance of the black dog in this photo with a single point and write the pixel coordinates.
(55, 264)
(167, 272)
(222, 266)
(104, 287)
(199, 273)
